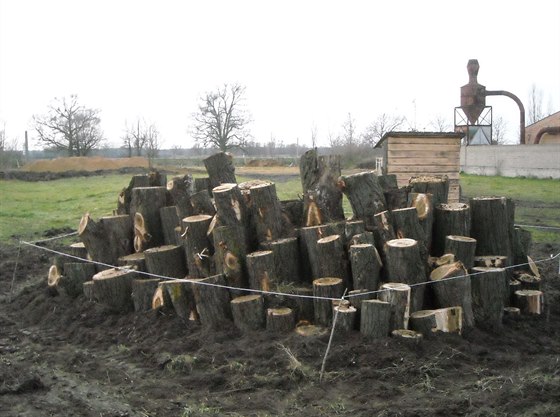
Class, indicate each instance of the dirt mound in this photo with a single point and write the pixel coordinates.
(81, 163)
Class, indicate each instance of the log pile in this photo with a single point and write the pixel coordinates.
(405, 263)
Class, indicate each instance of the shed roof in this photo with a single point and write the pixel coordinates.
(418, 135)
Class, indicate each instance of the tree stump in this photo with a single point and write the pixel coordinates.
(425, 212)
(353, 228)
(198, 247)
(220, 169)
(345, 317)
(202, 203)
(147, 201)
(212, 302)
(78, 250)
(267, 211)
(383, 232)
(143, 292)
(407, 225)
(491, 261)
(75, 274)
(119, 235)
(261, 270)
(230, 253)
(398, 296)
(365, 195)
(125, 196)
(87, 289)
(405, 265)
(365, 238)
(488, 295)
(529, 301)
(526, 281)
(327, 287)
(181, 294)
(463, 249)
(452, 287)
(356, 297)
(286, 259)
(113, 287)
(308, 246)
(513, 285)
(280, 320)
(248, 312)
(303, 304)
(437, 186)
(511, 312)
(135, 261)
(450, 219)
(180, 190)
(94, 237)
(446, 320)
(365, 264)
(410, 337)
(492, 226)
(169, 222)
(166, 261)
(161, 300)
(375, 318)
(332, 259)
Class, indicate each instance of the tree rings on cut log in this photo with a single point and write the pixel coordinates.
(447, 320)
(463, 247)
(450, 219)
(407, 336)
(398, 296)
(375, 318)
(113, 287)
(529, 301)
(345, 317)
(365, 264)
(327, 287)
(143, 293)
(248, 312)
(280, 320)
(490, 261)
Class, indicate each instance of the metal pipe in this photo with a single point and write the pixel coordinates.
(521, 110)
(551, 130)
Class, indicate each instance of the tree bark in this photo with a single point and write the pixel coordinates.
(383, 232)
(521, 245)
(450, 219)
(438, 186)
(231, 208)
(366, 265)
(87, 288)
(147, 201)
(398, 296)
(220, 169)
(308, 246)
(79, 251)
(212, 303)
(327, 288)
(119, 235)
(169, 222)
(94, 237)
(134, 261)
(230, 247)
(345, 317)
(248, 312)
(332, 259)
(166, 261)
(488, 293)
(375, 318)
(463, 248)
(181, 294)
(280, 320)
(303, 306)
(286, 259)
(202, 203)
(293, 210)
(491, 261)
(125, 196)
(180, 189)
(425, 210)
(261, 270)
(407, 225)
(203, 184)
(267, 211)
(198, 247)
(529, 301)
(143, 292)
(113, 287)
(75, 274)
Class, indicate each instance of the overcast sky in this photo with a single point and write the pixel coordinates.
(304, 63)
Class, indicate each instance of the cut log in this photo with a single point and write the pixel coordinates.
(75, 274)
(157, 179)
(286, 259)
(365, 238)
(78, 250)
(202, 203)
(322, 198)
(267, 211)
(345, 317)
(202, 184)
(280, 320)
(353, 228)
(248, 312)
(180, 189)
(383, 232)
(398, 296)
(514, 285)
(310, 330)
(397, 198)
(119, 235)
(407, 225)
(220, 169)
(388, 182)
(303, 304)
(169, 222)
(492, 226)
(408, 336)
(230, 253)
(438, 186)
(261, 270)
(147, 201)
(166, 261)
(463, 248)
(521, 245)
(452, 287)
(198, 247)
(332, 259)
(356, 297)
(529, 301)
(212, 302)
(161, 300)
(366, 265)
(527, 282)
(231, 207)
(488, 293)
(327, 287)
(87, 289)
(450, 219)
(293, 211)
(135, 261)
(375, 318)
(143, 292)
(365, 195)
(405, 265)
(113, 287)
(446, 320)
(94, 237)
(53, 278)
(491, 261)
(424, 322)
(308, 246)
(511, 311)
(181, 294)
(436, 262)
(125, 196)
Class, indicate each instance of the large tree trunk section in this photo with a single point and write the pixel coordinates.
(280, 320)
(248, 312)
(261, 270)
(181, 294)
(198, 247)
(488, 293)
(202, 184)
(135, 261)
(446, 320)
(405, 265)
(212, 303)
(492, 226)
(436, 262)
(169, 222)
(397, 199)
(345, 317)
(308, 237)
(529, 301)
(286, 259)
(322, 198)
(202, 203)
(166, 261)
(293, 211)
(147, 201)
(388, 182)
(425, 211)
(383, 232)
(356, 297)
(125, 196)
(463, 248)
(180, 189)
(491, 261)
(452, 287)
(450, 219)
(366, 264)
(119, 233)
(325, 288)
(521, 246)
(407, 225)
(231, 207)
(365, 195)
(143, 292)
(113, 287)
(398, 296)
(94, 237)
(437, 186)
(220, 169)
(230, 252)
(75, 274)
(332, 259)
(375, 319)
(267, 211)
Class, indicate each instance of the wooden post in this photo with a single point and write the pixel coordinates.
(248, 312)
(425, 210)
(212, 302)
(398, 296)
(365, 264)
(463, 248)
(332, 259)
(169, 221)
(280, 320)
(220, 169)
(180, 190)
(261, 270)
(198, 247)
(326, 287)
(267, 211)
(143, 292)
(529, 301)
(488, 294)
(147, 201)
(450, 219)
(375, 318)
(438, 186)
(166, 261)
(113, 287)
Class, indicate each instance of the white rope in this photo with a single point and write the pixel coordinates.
(55, 237)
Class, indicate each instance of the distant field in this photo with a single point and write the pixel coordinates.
(29, 208)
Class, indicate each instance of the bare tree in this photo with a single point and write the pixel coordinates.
(535, 110)
(221, 120)
(349, 132)
(314, 135)
(152, 144)
(136, 136)
(383, 124)
(440, 124)
(499, 129)
(69, 126)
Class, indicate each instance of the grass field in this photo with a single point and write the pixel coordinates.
(29, 208)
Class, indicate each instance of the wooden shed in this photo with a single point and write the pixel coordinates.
(413, 154)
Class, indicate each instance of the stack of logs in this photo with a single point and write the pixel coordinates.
(195, 247)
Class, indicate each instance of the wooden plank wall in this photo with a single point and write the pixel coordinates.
(408, 157)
